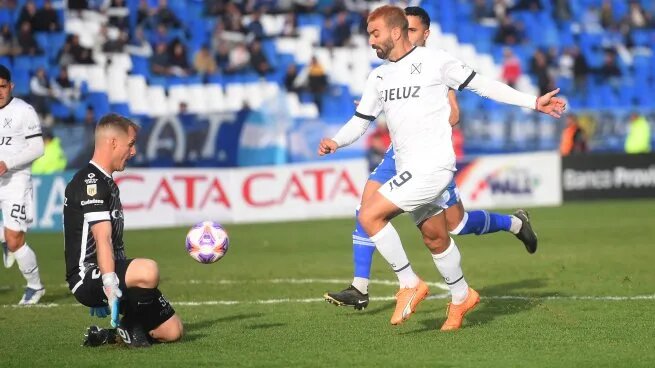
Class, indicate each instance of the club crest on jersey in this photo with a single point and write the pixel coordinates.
(92, 189)
(416, 68)
(91, 179)
(7, 123)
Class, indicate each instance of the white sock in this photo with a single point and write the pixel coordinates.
(26, 260)
(515, 225)
(361, 284)
(448, 264)
(390, 247)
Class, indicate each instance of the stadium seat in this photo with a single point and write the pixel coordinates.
(214, 98)
(156, 97)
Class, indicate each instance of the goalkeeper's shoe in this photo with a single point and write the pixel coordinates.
(96, 336)
(526, 234)
(407, 300)
(133, 334)
(456, 312)
(31, 296)
(348, 297)
(7, 256)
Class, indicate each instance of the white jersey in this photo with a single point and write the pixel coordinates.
(18, 123)
(412, 92)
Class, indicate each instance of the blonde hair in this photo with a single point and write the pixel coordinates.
(116, 121)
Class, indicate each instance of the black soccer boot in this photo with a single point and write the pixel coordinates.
(349, 297)
(526, 234)
(96, 336)
(133, 334)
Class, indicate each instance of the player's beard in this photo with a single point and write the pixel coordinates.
(384, 49)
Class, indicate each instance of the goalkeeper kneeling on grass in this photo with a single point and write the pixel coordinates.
(97, 271)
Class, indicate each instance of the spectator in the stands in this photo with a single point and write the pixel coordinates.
(77, 5)
(160, 61)
(258, 59)
(65, 56)
(342, 29)
(609, 72)
(160, 35)
(606, 14)
(637, 16)
(89, 118)
(255, 29)
(116, 43)
(290, 28)
(580, 70)
(27, 14)
(327, 36)
(500, 9)
(561, 10)
(81, 54)
(138, 45)
(178, 59)
(223, 56)
(64, 90)
(239, 58)
(8, 45)
(508, 33)
(529, 5)
(317, 82)
(511, 67)
(118, 14)
(26, 41)
(46, 19)
(143, 15)
(539, 67)
(214, 7)
(637, 139)
(204, 63)
(481, 10)
(40, 91)
(164, 15)
(573, 140)
(232, 18)
(290, 78)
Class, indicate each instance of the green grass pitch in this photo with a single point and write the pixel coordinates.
(585, 299)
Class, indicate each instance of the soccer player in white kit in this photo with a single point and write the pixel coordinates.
(411, 88)
(20, 144)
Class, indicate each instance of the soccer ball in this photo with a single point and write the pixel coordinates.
(207, 242)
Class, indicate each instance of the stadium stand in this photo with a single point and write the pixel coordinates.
(136, 57)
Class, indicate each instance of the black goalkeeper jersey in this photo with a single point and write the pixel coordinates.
(92, 196)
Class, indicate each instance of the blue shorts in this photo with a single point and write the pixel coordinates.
(386, 170)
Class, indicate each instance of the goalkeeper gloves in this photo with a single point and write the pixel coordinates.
(113, 292)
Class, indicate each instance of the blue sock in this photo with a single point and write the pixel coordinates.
(363, 249)
(483, 222)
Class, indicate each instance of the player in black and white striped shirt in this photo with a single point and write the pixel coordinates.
(97, 270)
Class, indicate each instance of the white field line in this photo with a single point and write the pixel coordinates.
(387, 298)
(342, 282)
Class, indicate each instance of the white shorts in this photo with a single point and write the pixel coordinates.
(411, 191)
(16, 200)
(435, 207)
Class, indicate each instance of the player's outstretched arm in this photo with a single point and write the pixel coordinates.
(349, 133)
(327, 146)
(551, 105)
(498, 91)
